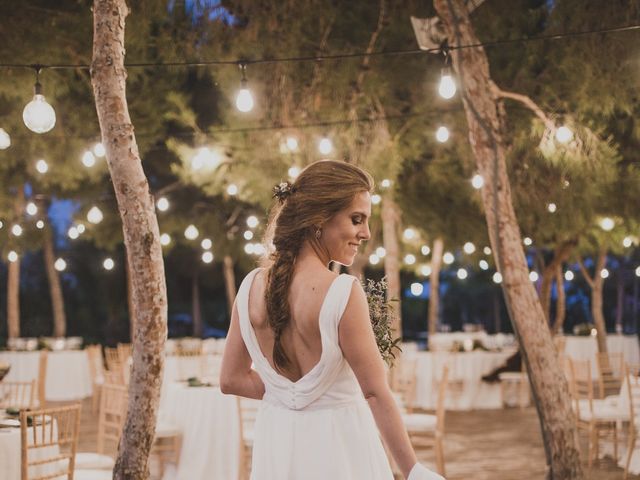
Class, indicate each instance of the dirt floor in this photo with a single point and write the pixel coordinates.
(481, 445)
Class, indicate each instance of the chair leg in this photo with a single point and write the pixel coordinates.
(440, 456)
(615, 441)
(631, 445)
(592, 442)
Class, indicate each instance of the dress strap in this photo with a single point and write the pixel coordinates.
(242, 304)
(335, 304)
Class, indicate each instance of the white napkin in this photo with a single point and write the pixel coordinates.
(420, 472)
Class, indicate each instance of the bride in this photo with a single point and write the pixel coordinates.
(307, 332)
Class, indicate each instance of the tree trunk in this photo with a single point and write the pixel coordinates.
(390, 221)
(485, 116)
(141, 236)
(596, 301)
(620, 300)
(196, 311)
(229, 282)
(561, 303)
(131, 307)
(560, 255)
(57, 301)
(434, 285)
(13, 299)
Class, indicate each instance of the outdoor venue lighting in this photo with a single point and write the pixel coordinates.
(248, 235)
(73, 233)
(207, 257)
(425, 250)
(244, 99)
(12, 256)
(381, 252)
(88, 159)
(206, 243)
(325, 146)
(16, 230)
(568, 275)
(80, 228)
(108, 263)
(442, 134)
(477, 181)
(552, 207)
(252, 221)
(527, 241)
(31, 209)
(462, 273)
(232, 189)
(5, 139)
(375, 199)
(205, 158)
(293, 172)
(533, 276)
(258, 249)
(165, 239)
(162, 204)
(409, 259)
(486, 250)
(637, 271)
(94, 215)
(497, 277)
(60, 265)
(386, 183)
(39, 224)
(38, 115)
(607, 224)
(42, 166)
(425, 270)
(292, 143)
(627, 242)
(99, 150)
(469, 248)
(604, 273)
(249, 248)
(416, 289)
(191, 232)
(483, 264)
(448, 258)
(447, 86)
(374, 259)
(564, 134)
(409, 234)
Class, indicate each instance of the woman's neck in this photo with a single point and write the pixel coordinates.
(308, 256)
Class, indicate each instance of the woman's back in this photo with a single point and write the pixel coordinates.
(301, 339)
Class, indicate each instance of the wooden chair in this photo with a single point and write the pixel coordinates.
(597, 417)
(519, 380)
(41, 384)
(426, 431)
(125, 350)
(247, 411)
(48, 443)
(115, 372)
(167, 444)
(17, 394)
(96, 370)
(610, 373)
(113, 408)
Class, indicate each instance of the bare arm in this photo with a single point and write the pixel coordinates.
(236, 375)
(359, 347)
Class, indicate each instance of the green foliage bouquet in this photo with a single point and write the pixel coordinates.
(380, 313)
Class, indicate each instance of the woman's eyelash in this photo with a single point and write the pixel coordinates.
(356, 221)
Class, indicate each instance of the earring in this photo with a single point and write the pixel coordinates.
(318, 233)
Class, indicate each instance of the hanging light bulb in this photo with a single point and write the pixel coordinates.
(244, 99)
(88, 159)
(564, 134)
(32, 209)
(252, 221)
(442, 134)
(163, 204)
(99, 150)
(165, 239)
(292, 144)
(477, 181)
(60, 265)
(94, 215)
(447, 87)
(16, 230)
(5, 139)
(108, 263)
(191, 232)
(325, 146)
(42, 166)
(38, 115)
(39, 224)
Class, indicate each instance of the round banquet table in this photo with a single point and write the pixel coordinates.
(210, 432)
(466, 390)
(68, 375)
(586, 347)
(10, 460)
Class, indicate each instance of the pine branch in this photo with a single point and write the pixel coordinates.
(527, 102)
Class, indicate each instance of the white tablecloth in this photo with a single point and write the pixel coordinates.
(467, 390)
(445, 341)
(68, 375)
(585, 348)
(10, 460)
(210, 432)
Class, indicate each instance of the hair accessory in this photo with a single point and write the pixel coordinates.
(282, 191)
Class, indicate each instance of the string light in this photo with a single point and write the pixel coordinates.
(292, 143)
(16, 230)
(94, 215)
(165, 239)
(527, 241)
(325, 146)
(425, 270)
(564, 134)
(206, 243)
(469, 248)
(448, 258)
(409, 259)
(497, 277)
(607, 224)
(568, 275)
(5, 139)
(88, 159)
(293, 172)
(191, 232)
(248, 235)
(483, 264)
(425, 250)
(73, 233)
(80, 228)
(244, 99)
(637, 271)
(162, 204)
(442, 134)
(232, 189)
(12, 256)
(627, 242)
(108, 263)
(38, 115)
(249, 249)
(477, 181)
(60, 265)
(31, 209)
(416, 289)
(99, 150)
(462, 273)
(604, 273)
(39, 224)
(447, 86)
(42, 166)
(374, 259)
(552, 207)
(486, 250)
(409, 234)
(252, 221)
(533, 276)
(386, 183)
(376, 199)
(381, 252)
(207, 257)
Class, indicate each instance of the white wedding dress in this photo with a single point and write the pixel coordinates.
(319, 427)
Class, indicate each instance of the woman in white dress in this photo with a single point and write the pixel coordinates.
(307, 332)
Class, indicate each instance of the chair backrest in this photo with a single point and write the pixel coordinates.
(111, 416)
(42, 377)
(53, 434)
(17, 394)
(125, 350)
(610, 373)
(112, 357)
(581, 385)
(96, 367)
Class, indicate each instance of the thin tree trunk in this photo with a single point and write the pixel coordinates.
(196, 311)
(560, 255)
(141, 236)
(561, 303)
(620, 300)
(434, 285)
(13, 299)
(131, 306)
(596, 283)
(485, 116)
(57, 301)
(229, 282)
(390, 221)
